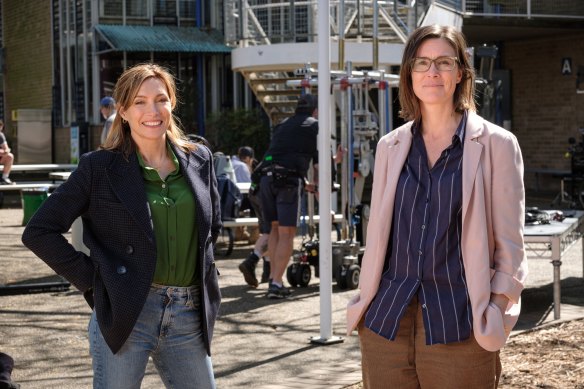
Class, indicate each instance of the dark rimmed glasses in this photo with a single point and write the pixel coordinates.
(442, 64)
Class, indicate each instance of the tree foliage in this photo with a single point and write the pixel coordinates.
(230, 129)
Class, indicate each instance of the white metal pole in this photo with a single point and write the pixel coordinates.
(324, 176)
(95, 74)
(68, 60)
(85, 70)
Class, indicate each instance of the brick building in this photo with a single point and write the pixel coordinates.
(59, 57)
(26, 56)
(547, 108)
(541, 54)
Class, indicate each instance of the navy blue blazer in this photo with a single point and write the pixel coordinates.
(108, 192)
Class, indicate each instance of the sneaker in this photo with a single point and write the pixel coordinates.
(6, 181)
(265, 272)
(277, 292)
(247, 267)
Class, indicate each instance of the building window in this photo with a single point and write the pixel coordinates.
(112, 8)
(115, 9)
(187, 9)
(165, 8)
(137, 8)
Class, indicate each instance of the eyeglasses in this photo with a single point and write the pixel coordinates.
(442, 64)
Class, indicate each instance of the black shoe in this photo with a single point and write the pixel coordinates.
(278, 292)
(9, 385)
(6, 366)
(6, 181)
(265, 272)
(247, 267)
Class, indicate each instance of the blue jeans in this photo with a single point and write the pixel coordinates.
(169, 331)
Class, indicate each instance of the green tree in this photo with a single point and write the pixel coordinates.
(230, 129)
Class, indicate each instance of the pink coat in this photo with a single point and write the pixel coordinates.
(493, 202)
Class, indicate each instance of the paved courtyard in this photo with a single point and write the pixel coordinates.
(258, 343)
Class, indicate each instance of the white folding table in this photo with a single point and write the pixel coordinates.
(552, 241)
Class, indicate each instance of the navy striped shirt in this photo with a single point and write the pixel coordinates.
(424, 256)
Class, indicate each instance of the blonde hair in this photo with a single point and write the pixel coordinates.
(126, 89)
(465, 89)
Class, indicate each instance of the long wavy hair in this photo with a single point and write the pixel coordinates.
(126, 89)
(465, 89)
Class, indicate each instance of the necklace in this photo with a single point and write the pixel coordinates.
(157, 166)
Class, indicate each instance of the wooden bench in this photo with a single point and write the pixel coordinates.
(19, 187)
(41, 167)
(35, 168)
(28, 185)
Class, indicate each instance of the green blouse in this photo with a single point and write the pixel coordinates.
(172, 207)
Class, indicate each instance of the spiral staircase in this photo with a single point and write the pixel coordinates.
(268, 57)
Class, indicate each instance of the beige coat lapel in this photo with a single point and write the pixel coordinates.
(393, 152)
(471, 158)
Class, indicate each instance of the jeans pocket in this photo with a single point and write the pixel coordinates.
(194, 299)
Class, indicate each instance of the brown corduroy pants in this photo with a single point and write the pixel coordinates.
(407, 362)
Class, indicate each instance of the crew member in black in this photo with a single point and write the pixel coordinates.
(293, 146)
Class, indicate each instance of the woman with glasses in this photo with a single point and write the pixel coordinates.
(444, 264)
(150, 209)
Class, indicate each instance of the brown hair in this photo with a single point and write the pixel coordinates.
(465, 89)
(125, 91)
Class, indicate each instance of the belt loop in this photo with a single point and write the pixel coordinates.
(189, 296)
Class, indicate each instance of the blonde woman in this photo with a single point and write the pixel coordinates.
(150, 212)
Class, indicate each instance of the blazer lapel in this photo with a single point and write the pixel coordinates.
(471, 158)
(191, 164)
(397, 155)
(397, 152)
(126, 180)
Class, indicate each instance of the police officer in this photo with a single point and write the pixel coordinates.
(293, 146)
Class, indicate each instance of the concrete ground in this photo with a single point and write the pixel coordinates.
(259, 343)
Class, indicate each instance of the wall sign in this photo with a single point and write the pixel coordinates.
(566, 66)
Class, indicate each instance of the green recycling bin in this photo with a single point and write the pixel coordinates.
(31, 201)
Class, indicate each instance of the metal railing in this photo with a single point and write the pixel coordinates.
(564, 9)
(145, 9)
(257, 22)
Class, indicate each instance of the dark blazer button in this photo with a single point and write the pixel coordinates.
(129, 249)
(122, 270)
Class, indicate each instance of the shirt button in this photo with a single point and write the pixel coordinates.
(121, 270)
(419, 252)
(129, 249)
(163, 186)
(423, 306)
(427, 200)
(423, 226)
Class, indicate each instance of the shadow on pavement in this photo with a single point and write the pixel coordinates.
(537, 302)
(264, 361)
